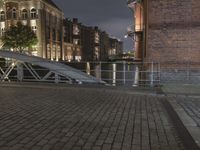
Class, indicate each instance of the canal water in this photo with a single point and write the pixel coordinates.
(114, 73)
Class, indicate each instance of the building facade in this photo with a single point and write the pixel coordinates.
(166, 30)
(72, 40)
(45, 19)
(87, 43)
(116, 47)
(58, 38)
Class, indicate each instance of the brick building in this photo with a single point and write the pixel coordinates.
(87, 43)
(116, 47)
(168, 32)
(44, 17)
(58, 38)
(72, 40)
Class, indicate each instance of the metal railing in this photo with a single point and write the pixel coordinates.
(180, 72)
(113, 73)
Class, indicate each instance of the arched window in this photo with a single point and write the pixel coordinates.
(2, 15)
(33, 13)
(24, 14)
(14, 13)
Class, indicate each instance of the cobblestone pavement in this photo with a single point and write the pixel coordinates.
(83, 119)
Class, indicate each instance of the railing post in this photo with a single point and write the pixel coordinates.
(20, 72)
(100, 70)
(188, 71)
(136, 76)
(152, 74)
(159, 73)
(124, 72)
(56, 78)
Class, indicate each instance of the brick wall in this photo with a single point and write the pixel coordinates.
(174, 31)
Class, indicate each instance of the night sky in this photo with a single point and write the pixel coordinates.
(112, 16)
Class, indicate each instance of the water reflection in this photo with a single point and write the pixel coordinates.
(113, 73)
(114, 70)
(116, 73)
(88, 68)
(136, 79)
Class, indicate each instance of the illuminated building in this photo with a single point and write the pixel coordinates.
(72, 40)
(45, 19)
(58, 38)
(86, 43)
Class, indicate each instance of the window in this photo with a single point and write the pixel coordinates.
(76, 41)
(54, 34)
(14, 13)
(2, 15)
(2, 31)
(48, 34)
(75, 29)
(24, 14)
(34, 28)
(33, 13)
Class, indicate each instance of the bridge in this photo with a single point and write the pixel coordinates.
(57, 71)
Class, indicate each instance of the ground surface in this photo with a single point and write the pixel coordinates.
(74, 118)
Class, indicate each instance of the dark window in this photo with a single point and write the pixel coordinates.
(24, 14)
(14, 13)
(2, 15)
(33, 13)
(54, 34)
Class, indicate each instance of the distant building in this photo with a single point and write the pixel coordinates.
(45, 19)
(104, 46)
(116, 47)
(86, 43)
(72, 40)
(59, 38)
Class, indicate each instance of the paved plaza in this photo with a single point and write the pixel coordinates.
(78, 118)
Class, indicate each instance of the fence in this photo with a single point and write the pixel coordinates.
(113, 73)
(180, 72)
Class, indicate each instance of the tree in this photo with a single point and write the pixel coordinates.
(19, 37)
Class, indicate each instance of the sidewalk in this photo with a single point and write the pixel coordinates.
(182, 89)
(185, 99)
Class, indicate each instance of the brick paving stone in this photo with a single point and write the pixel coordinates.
(84, 118)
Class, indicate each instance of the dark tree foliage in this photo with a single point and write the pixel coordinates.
(19, 37)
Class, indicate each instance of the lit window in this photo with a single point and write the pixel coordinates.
(75, 41)
(2, 31)
(14, 13)
(33, 13)
(75, 30)
(34, 28)
(2, 15)
(24, 14)
(96, 40)
(78, 58)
